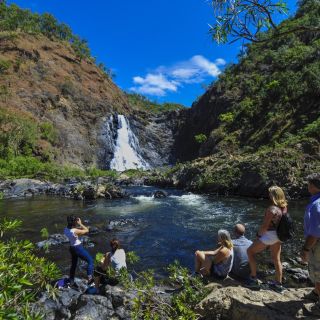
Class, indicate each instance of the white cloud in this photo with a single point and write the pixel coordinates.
(165, 79)
(148, 90)
(206, 66)
(220, 62)
(156, 80)
(184, 73)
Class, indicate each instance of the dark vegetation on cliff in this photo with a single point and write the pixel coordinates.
(259, 122)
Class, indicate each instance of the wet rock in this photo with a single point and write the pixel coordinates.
(285, 265)
(22, 187)
(238, 303)
(53, 240)
(58, 239)
(93, 230)
(122, 313)
(115, 192)
(160, 194)
(89, 193)
(86, 241)
(299, 274)
(114, 225)
(58, 308)
(68, 297)
(93, 307)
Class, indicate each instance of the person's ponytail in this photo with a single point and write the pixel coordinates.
(115, 244)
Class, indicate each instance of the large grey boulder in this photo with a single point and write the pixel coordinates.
(93, 307)
(22, 187)
(239, 303)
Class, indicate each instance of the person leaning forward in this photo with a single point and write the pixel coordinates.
(311, 249)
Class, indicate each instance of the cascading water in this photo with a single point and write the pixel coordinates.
(126, 154)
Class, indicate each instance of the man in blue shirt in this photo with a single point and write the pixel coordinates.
(240, 267)
(311, 248)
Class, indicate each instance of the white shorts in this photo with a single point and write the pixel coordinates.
(269, 238)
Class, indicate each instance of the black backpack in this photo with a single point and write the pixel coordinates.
(285, 229)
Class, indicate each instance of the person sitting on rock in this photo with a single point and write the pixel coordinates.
(116, 259)
(240, 267)
(216, 262)
(74, 229)
(311, 247)
(267, 237)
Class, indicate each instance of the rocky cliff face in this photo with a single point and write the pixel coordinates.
(269, 99)
(156, 133)
(260, 120)
(45, 81)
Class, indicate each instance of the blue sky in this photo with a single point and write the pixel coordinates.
(161, 49)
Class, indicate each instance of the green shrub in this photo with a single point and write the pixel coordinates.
(312, 129)
(17, 136)
(31, 167)
(48, 132)
(149, 304)
(94, 172)
(200, 138)
(4, 91)
(67, 88)
(134, 173)
(23, 275)
(226, 117)
(4, 66)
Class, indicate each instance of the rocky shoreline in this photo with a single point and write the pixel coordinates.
(73, 189)
(239, 174)
(246, 175)
(226, 299)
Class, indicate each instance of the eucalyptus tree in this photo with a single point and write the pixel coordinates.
(256, 20)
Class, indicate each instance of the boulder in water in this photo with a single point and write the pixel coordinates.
(22, 187)
(53, 240)
(160, 194)
(93, 230)
(120, 224)
(89, 193)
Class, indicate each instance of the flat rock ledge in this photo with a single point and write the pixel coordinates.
(229, 301)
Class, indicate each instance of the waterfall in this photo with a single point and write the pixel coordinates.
(126, 154)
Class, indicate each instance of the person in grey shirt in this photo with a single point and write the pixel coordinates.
(240, 268)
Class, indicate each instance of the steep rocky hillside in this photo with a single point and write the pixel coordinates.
(44, 80)
(259, 123)
(269, 99)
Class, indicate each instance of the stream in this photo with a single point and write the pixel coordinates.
(161, 231)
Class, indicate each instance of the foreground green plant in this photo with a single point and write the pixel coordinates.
(23, 276)
(149, 303)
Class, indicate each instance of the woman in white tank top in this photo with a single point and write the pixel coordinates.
(74, 229)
